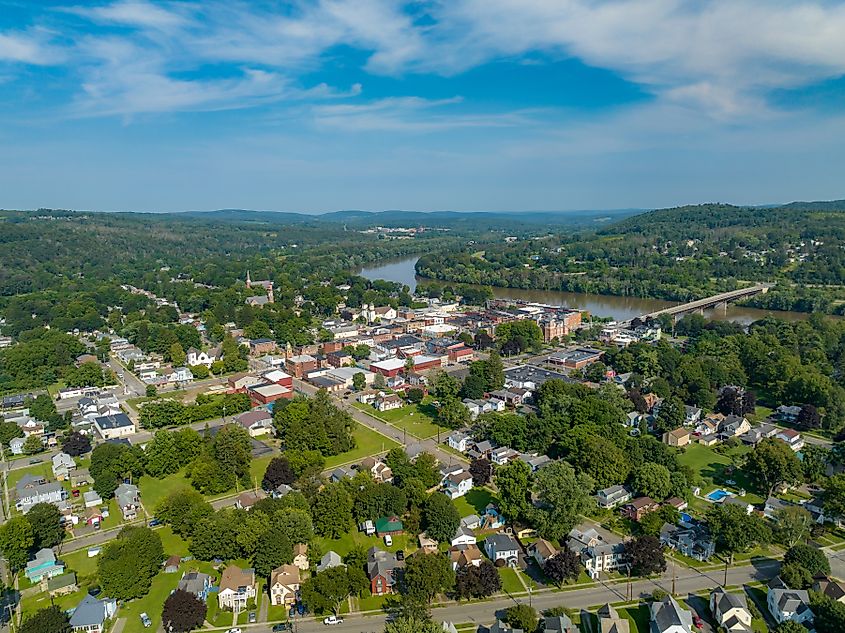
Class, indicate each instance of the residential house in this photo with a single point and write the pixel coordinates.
(773, 505)
(128, 499)
(256, 422)
(481, 449)
(694, 541)
(458, 441)
(63, 465)
(502, 455)
(757, 434)
(249, 498)
(237, 587)
(833, 589)
(471, 522)
(730, 610)
(792, 438)
(91, 614)
(196, 583)
(340, 473)
(611, 622)
(535, 462)
(502, 546)
(667, 616)
(691, 415)
(62, 585)
(378, 469)
(44, 565)
(284, 585)
(456, 485)
(676, 502)
(389, 525)
(463, 555)
(559, 624)
(500, 627)
(733, 426)
(32, 489)
(639, 507)
(787, 414)
(427, 545)
(171, 565)
(388, 402)
(464, 536)
(91, 499)
(330, 559)
(598, 553)
(678, 437)
(16, 445)
(613, 496)
(380, 570)
(80, 477)
(788, 604)
(541, 550)
(114, 426)
(300, 556)
(199, 357)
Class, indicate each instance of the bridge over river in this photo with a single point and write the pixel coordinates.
(716, 301)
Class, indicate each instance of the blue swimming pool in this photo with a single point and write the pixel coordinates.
(718, 495)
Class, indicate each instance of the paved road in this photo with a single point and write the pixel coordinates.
(392, 432)
(483, 613)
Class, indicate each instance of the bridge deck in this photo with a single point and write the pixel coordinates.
(700, 304)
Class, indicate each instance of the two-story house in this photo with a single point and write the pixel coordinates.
(32, 489)
(613, 496)
(502, 546)
(380, 571)
(730, 610)
(237, 587)
(196, 583)
(667, 616)
(128, 500)
(598, 553)
(788, 604)
(63, 466)
(91, 615)
(284, 585)
(44, 565)
(456, 485)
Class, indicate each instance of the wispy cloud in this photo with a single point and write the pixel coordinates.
(29, 47)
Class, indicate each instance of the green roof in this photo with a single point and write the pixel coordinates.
(57, 582)
(388, 524)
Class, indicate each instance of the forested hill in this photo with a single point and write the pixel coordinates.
(694, 221)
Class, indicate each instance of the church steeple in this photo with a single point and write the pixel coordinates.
(248, 280)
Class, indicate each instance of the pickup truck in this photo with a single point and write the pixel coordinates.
(332, 619)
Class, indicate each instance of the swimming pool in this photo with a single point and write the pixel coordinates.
(718, 495)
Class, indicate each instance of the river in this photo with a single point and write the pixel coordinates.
(620, 308)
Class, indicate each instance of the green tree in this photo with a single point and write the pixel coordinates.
(47, 620)
(332, 511)
(183, 612)
(652, 480)
(412, 624)
(441, 518)
(151, 391)
(810, 558)
(327, 590)
(16, 539)
(445, 385)
(183, 510)
(427, 575)
(46, 522)
(112, 463)
(789, 626)
(128, 564)
(522, 616)
(792, 525)
(453, 414)
(834, 495)
(274, 549)
(32, 445)
(773, 463)
(735, 531)
(358, 381)
(177, 355)
(161, 455)
(563, 496)
(514, 490)
(670, 416)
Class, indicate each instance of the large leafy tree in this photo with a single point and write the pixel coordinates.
(183, 510)
(128, 564)
(564, 565)
(47, 620)
(278, 472)
(563, 496)
(645, 555)
(76, 444)
(412, 624)
(441, 518)
(332, 511)
(652, 480)
(46, 522)
(183, 612)
(481, 470)
(16, 540)
(522, 616)
(453, 414)
(327, 590)
(810, 558)
(427, 575)
(273, 549)
(772, 463)
(112, 463)
(735, 531)
(514, 490)
(477, 582)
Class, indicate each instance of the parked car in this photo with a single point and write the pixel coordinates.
(252, 617)
(332, 619)
(145, 620)
(400, 555)
(75, 493)
(234, 630)
(94, 592)
(154, 522)
(388, 540)
(281, 626)
(35, 461)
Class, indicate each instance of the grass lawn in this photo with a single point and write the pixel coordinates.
(711, 468)
(371, 603)
(43, 469)
(416, 419)
(474, 501)
(638, 616)
(277, 613)
(79, 562)
(367, 442)
(173, 544)
(218, 618)
(510, 580)
(154, 490)
(350, 540)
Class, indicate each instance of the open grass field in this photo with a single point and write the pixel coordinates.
(367, 442)
(416, 419)
(474, 501)
(712, 469)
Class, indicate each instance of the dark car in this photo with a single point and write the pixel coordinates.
(400, 555)
(281, 626)
(34, 461)
(94, 592)
(155, 522)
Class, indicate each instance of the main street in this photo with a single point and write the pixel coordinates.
(687, 581)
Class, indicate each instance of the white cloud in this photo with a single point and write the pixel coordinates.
(30, 47)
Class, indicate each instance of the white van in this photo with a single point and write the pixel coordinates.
(388, 540)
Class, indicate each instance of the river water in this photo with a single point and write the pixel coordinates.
(620, 308)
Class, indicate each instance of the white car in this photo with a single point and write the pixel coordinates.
(333, 619)
(388, 540)
(235, 630)
(145, 620)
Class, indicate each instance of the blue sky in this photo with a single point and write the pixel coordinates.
(319, 105)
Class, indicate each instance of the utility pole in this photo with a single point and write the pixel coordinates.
(725, 584)
(673, 576)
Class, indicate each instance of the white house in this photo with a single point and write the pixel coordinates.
(114, 426)
(464, 536)
(284, 585)
(502, 455)
(237, 587)
(597, 553)
(200, 357)
(788, 604)
(730, 611)
(457, 484)
(502, 546)
(613, 496)
(63, 465)
(792, 438)
(458, 441)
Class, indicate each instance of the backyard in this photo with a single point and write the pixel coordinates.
(415, 419)
(713, 469)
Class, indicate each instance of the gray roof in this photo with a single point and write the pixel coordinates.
(114, 421)
(558, 623)
(330, 559)
(502, 542)
(726, 601)
(194, 582)
(667, 614)
(88, 613)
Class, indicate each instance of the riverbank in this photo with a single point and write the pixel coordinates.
(620, 308)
